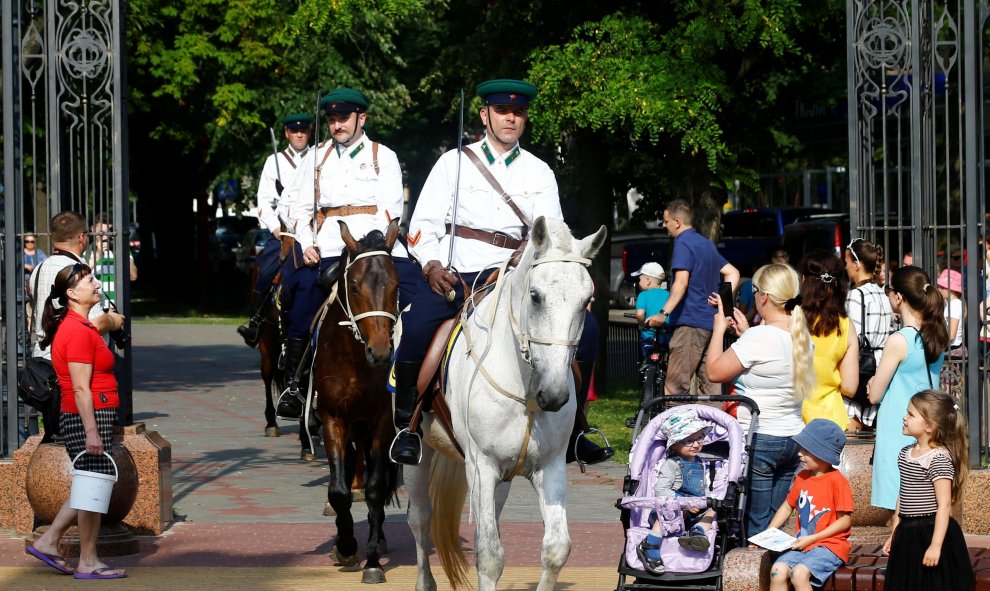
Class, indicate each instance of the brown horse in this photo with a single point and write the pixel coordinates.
(274, 377)
(350, 371)
(270, 348)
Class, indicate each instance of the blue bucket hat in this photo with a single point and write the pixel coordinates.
(823, 439)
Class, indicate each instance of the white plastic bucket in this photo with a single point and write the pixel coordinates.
(91, 490)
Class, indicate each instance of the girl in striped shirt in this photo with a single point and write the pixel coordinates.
(927, 548)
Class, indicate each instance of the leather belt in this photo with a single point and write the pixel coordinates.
(345, 210)
(494, 238)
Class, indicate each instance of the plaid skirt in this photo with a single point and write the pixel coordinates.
(74, 436)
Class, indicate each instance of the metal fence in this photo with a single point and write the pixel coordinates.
(623, 351)
(916, 80)
(64, 138)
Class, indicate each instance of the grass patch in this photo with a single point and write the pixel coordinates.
(193, 318)
(609, 413)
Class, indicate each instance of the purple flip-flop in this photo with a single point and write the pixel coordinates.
(99, 574)
(51, 560)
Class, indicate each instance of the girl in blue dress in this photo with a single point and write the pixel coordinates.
(911, 362)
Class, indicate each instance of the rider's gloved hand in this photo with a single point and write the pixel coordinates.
(441, 281)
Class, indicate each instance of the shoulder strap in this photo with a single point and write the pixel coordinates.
(374, 157)
(495, 185)
(862, 317)
(288, 158)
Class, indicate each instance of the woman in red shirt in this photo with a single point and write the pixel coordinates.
(84, 366)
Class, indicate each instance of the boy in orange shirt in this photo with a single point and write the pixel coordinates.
(824, 502)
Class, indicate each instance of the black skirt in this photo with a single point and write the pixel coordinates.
(74, 436)
(905, 571)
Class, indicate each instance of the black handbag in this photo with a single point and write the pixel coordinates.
(867, 361)
(37, 387)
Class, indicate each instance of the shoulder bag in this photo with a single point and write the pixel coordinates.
(867, 361)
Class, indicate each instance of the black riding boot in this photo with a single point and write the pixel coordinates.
(290, 404)
(587, 452)
(250, 331)
(407, 446)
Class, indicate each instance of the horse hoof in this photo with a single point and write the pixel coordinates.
(328, 510)
(273, 432)
(344, 560)
(373, 575)
(357, 495)
(307, 456)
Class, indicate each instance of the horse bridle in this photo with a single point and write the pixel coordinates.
(521, 328)
(345, 302)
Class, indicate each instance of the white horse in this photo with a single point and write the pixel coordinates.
(511, 397)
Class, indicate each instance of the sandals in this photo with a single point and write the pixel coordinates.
(651, 565)
(696, 540)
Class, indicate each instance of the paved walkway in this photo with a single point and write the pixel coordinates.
(248, 510)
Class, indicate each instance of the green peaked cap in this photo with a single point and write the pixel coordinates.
(298, 119)
(506, 92)
(344, 100)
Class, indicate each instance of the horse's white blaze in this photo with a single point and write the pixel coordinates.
(546, 301)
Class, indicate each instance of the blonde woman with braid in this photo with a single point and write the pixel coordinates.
(771, 363)
(911, 362)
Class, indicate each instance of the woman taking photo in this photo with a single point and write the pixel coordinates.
(823, 300)
(910, 363)
(870, 313)
(772, 364)
(84, 366)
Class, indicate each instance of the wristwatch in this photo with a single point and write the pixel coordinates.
(664, 312)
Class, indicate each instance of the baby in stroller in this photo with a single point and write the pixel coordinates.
(674, 509)
(682, 474)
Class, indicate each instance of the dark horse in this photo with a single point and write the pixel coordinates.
(270, 347)
(353, 354)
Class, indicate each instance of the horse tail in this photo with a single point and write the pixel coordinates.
(448, 489)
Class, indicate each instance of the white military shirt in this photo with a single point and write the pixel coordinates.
(526, 178)
(347, 177)
(269, 202)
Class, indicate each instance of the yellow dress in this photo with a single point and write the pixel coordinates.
(826, 400)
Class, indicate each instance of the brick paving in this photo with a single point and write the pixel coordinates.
(244, 501)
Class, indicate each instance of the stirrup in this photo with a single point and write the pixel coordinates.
(582, 464)
(291, 390)
(396, 438)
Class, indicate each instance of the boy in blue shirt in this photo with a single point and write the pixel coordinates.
(650, 301)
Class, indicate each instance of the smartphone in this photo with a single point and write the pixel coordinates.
(725, 294)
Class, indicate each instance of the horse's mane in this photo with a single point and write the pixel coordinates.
(373, 240)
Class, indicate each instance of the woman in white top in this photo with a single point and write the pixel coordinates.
(869, 310)
(773, 364)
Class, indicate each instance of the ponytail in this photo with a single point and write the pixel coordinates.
(933, 331)
(878, 265)
(924, 298)
(52, 318)
(950, 431)
(803, 360)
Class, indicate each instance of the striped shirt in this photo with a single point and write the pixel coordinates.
(918, 476)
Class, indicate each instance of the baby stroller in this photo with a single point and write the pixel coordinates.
(727, 468)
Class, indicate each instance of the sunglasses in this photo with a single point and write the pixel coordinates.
(956, 257)
(297, 128)
(756, 290)
(849, 247)
(29, 242)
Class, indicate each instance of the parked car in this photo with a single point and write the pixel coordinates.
(226, 239)
(620, 290)
(637, 252)
(748, 234)
(251, 246)
(829, 231)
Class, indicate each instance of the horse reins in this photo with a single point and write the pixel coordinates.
(530, 405)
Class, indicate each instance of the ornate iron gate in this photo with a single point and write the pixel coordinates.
(64, 131)
(916, 153)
